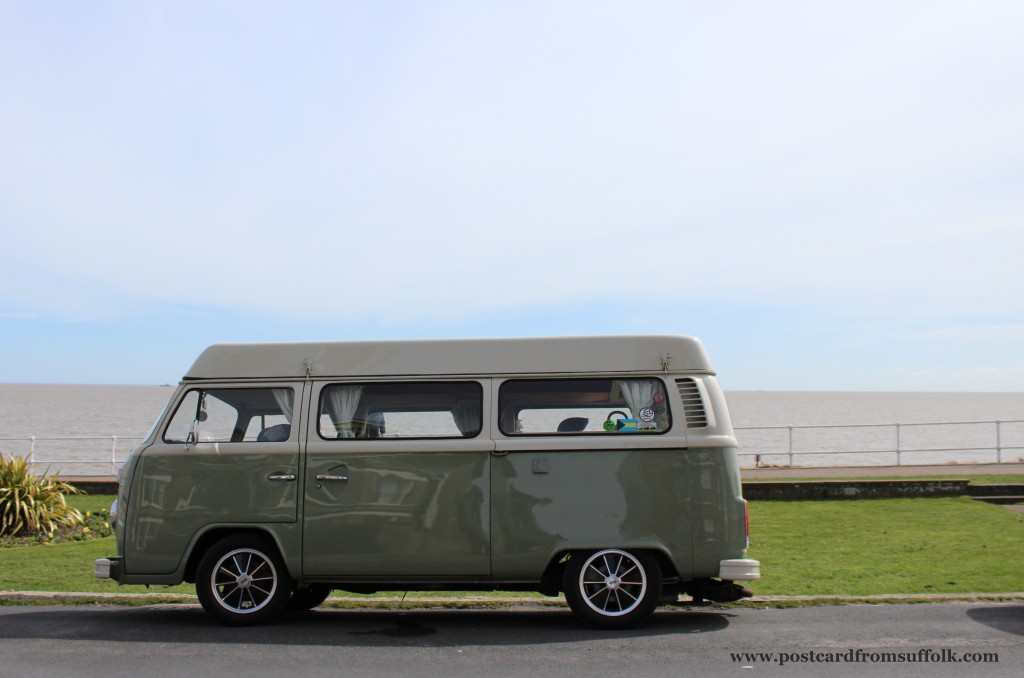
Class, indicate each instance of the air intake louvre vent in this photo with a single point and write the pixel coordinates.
(693, 406)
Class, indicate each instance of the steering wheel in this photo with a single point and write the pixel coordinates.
(613, 412)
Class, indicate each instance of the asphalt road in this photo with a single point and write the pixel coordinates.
(180, 640)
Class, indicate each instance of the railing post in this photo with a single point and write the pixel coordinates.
(113, 454)
(899, 455)
(31, 452)
(791, 447)
(999, 442)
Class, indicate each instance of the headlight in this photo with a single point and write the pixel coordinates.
(113, 512)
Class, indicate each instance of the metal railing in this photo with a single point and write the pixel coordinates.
(805, 445)
(85, 452)
(944, 442)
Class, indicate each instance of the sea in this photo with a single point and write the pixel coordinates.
(87, 430)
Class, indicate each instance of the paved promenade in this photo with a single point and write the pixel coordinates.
(951, 470)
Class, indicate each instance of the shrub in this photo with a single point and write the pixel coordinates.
(32, 504)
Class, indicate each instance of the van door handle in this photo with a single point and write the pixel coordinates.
(326, 477)
(286, 477)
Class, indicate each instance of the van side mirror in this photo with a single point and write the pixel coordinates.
(193, 435)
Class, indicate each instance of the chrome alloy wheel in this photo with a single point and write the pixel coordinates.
(613, 583)
(244, 581)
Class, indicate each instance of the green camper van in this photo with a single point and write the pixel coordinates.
(601, 468)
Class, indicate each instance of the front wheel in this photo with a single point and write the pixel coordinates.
(242, 581)
(612, 589)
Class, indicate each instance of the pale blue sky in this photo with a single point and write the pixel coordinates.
(831, 195)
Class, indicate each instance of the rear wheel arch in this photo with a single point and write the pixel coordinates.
(556, 567)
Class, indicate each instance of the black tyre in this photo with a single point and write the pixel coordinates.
(612, 589)
(242, 581)
(308, 597)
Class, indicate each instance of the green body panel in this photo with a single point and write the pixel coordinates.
(717, 509)
(399, 514)
(447, 515)
(177, 493)
(287, 536)
(669, 500)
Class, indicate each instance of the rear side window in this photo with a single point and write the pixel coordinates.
(394, 410)
(234, 415)
(583, 406)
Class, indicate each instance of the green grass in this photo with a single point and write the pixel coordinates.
(886, 546)
(65, 567)
(91, 502)
(819, 548)
(68, 566)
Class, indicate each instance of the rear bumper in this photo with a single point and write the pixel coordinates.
(743, 569)
(108, 568)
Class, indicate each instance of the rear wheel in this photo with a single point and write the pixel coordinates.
(242, 581)
(612, 589)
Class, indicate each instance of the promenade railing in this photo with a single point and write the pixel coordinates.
(78, 456)
(898, 444)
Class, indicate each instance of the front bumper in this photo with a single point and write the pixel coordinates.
(108, 568)
(743, 569)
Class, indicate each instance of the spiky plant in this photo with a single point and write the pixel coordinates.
(31, 504)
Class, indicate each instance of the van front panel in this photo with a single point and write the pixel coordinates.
(242, 468)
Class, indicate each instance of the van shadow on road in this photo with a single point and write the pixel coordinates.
(339, 628)
(1007, 618)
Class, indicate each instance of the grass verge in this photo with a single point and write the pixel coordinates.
(886, 546)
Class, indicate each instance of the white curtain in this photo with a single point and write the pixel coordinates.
(285, 397)
(344, 401)
(638, 394)
(467, 416)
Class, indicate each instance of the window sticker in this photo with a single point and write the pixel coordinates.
(633, 425)
(647, 422)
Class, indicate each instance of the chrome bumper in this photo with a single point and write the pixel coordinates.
(107, 568)
(743, 569)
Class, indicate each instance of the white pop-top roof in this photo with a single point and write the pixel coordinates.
(455, 357)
